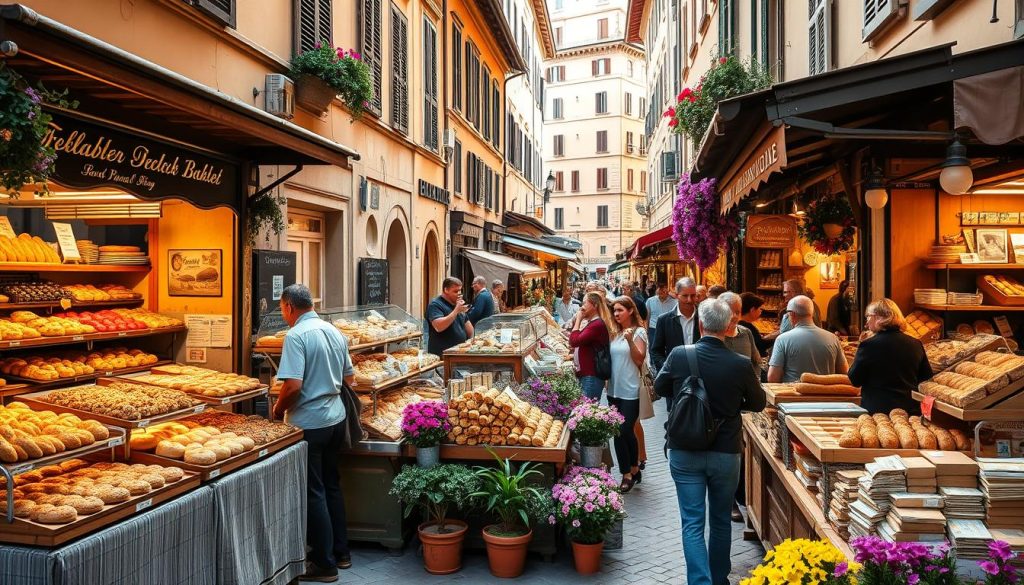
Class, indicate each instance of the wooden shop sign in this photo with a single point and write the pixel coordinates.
(753, 167)
(770, 231)
(93, 155)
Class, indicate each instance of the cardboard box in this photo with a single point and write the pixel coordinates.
(951, 463)
(964, 481)
(918, 467)
(917, 500)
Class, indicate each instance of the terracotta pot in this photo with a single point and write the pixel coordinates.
(833, 230)
(506, 555)
(442, 553)
(587, 557)
(311, 93)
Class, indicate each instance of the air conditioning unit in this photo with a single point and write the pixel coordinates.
(449, 138)
(279, 96)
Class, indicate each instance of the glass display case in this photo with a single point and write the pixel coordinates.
(502, 334)
(363, 327)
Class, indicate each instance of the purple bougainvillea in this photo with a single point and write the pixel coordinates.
(700, 232)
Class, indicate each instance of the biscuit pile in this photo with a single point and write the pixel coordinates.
(59, 494)
(372, 329)
(489, 342)
(28, 325)
(257, 428)
(921, 325)
(970, 381)
(202, 381)
(199, 445)
(898, 430)
(491, 417)
(121, 400)
(106, 292)
(27, 248)
(1004, 284)
(29, 434)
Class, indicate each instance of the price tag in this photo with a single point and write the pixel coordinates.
(506, 336)
(214, 474)
(263, 452)
(143, 505)
(199, 408)
(77, 338)
(65, 304)
(66, 241)
(225, 400)
(143, 423)
(1003, 324)
(115, 442)
(376, 315)
(14, 343)
(5, 227)
(122, 334)
(21, 468)
(926, 406)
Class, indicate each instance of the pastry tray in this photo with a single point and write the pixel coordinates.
(223, 467)
(115, 439)
(240, 397)
(34, 400)
(821, 437)
(24, 531)
(43, 384)
(451, 452)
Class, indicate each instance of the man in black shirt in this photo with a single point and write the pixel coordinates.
(446, 314)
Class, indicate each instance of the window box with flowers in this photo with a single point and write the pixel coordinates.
(326, 72)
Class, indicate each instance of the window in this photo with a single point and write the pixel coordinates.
(602, 178)
(643, 181)
(313, 24)
(629, 68)
(485, 108)
(629, 103)
(556, 73)
(399, 70)
(629, 142)
(495, 115)
(643, 144)
(306, 239)
(224, 10)
(472, 87)
(559, 218)
(819, 36)
(602, 141)
(878, 15)
(558, 36)
(430, 99)
(602, 28)
(643, 107)
(457, 167)
(601, 102)
(558, 4)
(559, 145)
(602, 219)
(604, 249)
(1018, 27)
(559, 181)
(601, 66)
(456, 67)
(556, 109)
(575, 181)
(726, 26)
(372, 49)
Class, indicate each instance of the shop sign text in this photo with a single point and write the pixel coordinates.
(770, 231)
(753, 169)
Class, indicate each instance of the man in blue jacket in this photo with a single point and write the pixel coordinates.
(483, 302)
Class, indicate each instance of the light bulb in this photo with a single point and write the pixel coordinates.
(876, 198)
(956, 180)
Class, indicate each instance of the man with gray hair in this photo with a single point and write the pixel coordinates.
(679, 326)
(738, 338)
(483, 302)
(790, 289)
(804, 348)
(314, 365)
(498, 294)
(710, 476)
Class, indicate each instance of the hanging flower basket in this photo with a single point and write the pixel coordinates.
(828, 226)
(313, 94)
(700, 231)
(326, 72)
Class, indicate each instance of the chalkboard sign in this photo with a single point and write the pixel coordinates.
(373, 281)
(271, 272)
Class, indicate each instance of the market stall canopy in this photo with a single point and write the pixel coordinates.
(620, 265)
(533, 245)
(654, 238)
(577, 267)
(991, 105)
(498, 266)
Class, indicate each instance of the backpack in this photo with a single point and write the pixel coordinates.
(691, 425)
(603, 362)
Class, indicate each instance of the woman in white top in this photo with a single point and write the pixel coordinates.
(628, 350)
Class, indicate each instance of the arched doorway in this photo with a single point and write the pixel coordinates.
(396, 253)
(431, 269)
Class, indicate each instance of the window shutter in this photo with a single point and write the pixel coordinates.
(399, 70)
(370, 30)
(495, 115)
(457, 68)
(593, 67)
(878, 15)
(306, 19)
(430, 106)
(221, 10)
(819, 37)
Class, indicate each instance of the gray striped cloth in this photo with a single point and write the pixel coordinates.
(25, 566)
(261, 526)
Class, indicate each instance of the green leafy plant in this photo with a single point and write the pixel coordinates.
(506, 493)
(25, 156)
(728, 77)
(342, 69)
(435, 490)
(265, 212)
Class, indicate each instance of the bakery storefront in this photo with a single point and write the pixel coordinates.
(125, 310)
(919, 156)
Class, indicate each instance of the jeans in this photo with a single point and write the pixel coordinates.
(326, 529)
(712, 477)
(627, 450)
(593, 387)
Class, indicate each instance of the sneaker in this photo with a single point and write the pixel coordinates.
(344, 561)
(319, 575)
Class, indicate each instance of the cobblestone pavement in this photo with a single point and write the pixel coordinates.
(651, 552)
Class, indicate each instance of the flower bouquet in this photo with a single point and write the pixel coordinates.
(699, 230)
(899, 563)
(425, 424)
(594, 424)
(587, 503)
(803, 561)
(556, 394)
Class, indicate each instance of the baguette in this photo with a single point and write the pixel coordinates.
(825, 379)
(826, 389)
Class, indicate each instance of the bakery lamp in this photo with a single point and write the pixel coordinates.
(956, 176)
(875, 195)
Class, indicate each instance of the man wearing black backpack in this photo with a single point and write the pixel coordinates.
(709, 385)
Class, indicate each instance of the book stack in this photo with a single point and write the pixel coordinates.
(953, 468)
(914, 518)
(844, 493)
(964, 503)
(808, 470)
(969, 538)
(882, 477)
(1002, 483)
(920, 475)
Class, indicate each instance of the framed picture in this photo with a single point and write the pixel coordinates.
(1017, 240)
(992, 245)
(969, 240)
(195, 273)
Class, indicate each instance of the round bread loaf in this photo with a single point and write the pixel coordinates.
(201, 456)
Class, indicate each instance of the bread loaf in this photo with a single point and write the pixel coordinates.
(813, 389)
(825, 379)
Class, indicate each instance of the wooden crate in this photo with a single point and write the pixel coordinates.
(821, 437)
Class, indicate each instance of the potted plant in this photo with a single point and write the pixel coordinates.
(817, 560)
(587, 503)
(505, 494)
(435, 490)
(593, 425)
(326, 72)
(425, 424)
(556, 394)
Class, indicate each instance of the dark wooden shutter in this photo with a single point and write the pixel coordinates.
(495, 115)
(305, 35)
(399, 70)
(485, 108)
(456, 67)
(370, 21)
(430, 105)
(221, 10)
(593, 67)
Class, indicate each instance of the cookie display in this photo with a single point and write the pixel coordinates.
(47, 368)
(387, 423)
(257, 428)
(203, 445)
(201, 381)
(122, 400)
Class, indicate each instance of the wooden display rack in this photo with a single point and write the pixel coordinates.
(1004, 404)
(512, 361)
(557, 454)
(86, 337)
(821, 437)
(393, 382)
(215, 400)
(776, 399)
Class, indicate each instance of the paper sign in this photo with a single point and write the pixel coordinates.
(143, 505)
(263, 452)
(5, 227)
(65, 304)
(506, 336)
(277, 287)
(926, 406)
(220, 331)
(116, 442)
(66, 240)
(1003, 324)
(195, 355)
(969, 258)
(208, 331)
(215, 473)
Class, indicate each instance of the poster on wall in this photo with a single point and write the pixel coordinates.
(195, 273)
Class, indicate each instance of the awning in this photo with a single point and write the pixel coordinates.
(578, 268)
(620, 265)
(538, 246)
(651, 239)
(498, 266)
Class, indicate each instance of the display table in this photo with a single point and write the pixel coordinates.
(778, 505)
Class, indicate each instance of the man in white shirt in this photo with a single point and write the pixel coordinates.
(657, 306)
(676, 327)
(566, 308)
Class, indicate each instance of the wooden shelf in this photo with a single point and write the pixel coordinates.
(1004, 404)
(74, 304)
(46, 267)
(769, 268)
(972, 308)
(770, 288)
(391, 383)
(979, 266)
(66, 339)
(40, 385)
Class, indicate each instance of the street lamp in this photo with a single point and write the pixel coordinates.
(549, 186)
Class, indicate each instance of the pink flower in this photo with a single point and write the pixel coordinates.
(669, 113)
(575, 523)
(723, 60)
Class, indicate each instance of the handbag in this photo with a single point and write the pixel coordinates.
(646, 405)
